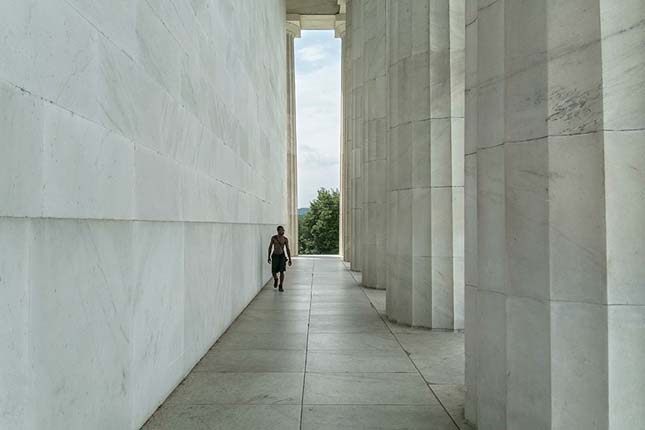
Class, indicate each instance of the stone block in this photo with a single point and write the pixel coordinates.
(470, 226)
(525, 104)
(626, 357)
(457, 151)
(490, 39)
(528, 364)
(491, 212)
(441, 221)
(527, 217)
(490, 104)
(443, 292)
(577, 254)
(157, 314)
(441, 165)
(578, 365)
(421, 154)
(422, 292)
(14, 319)
(80, 326)
(50, 58)
(491, 360)
(88, 171)
(21, 145)
(625, 210)
(158, 186)
(575, 100)
(471, 352)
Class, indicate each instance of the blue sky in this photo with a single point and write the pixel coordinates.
(317, 113)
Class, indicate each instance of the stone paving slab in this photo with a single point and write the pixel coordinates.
(320, 356)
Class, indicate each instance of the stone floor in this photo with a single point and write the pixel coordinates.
(321, 355)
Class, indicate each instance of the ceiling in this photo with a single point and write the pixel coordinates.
(313, 7)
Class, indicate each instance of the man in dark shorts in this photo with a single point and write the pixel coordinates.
(277, 259)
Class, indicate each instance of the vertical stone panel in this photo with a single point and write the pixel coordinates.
(470, 209)
(292, 146)
(622, 34)
(15, 373)
(357, 129)
(556, 172)
(374, 142)
(425, 163)
(346, 166)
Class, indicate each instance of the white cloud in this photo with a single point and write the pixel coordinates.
(312, 53)
(318, 124)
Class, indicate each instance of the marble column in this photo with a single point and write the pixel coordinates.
(470, 209)
(556, 305)
(355, 32)
(346, 147)
(424, 238)
(293, 31)
(374, 142)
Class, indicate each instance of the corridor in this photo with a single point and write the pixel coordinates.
(321, 355)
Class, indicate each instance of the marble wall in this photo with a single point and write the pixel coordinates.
(555, 167)
(138, 153)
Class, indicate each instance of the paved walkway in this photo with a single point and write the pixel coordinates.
(321, 356)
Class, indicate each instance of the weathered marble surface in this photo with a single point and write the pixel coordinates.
(356, 156)
(554, 180)
(425, 164)
(374, 141)
(135, 202)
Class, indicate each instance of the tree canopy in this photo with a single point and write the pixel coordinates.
(318, 228)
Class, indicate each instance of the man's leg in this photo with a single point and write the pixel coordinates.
(281, 280)
(275, 280)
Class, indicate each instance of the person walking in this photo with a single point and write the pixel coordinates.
(277, 259)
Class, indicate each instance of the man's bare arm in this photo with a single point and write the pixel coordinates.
(270, 246)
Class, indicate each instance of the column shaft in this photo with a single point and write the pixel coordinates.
(425, 163)
(374, 142)
(355, 30)
(292, 148)
(346, 145)
(557, 334)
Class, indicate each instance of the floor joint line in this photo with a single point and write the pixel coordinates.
(410, 359)
(304, 374)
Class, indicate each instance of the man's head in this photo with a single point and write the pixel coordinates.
(280, 230)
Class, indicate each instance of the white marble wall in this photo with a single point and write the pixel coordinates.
(137, 191)
(555, 321)
(425, 219)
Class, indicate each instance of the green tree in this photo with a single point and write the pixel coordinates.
(318, 228)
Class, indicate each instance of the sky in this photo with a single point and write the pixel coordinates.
(317, 113)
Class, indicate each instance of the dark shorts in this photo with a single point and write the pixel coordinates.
(278, 263)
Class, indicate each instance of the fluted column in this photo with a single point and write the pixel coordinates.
(557, 338)
(470, 202)
(355, 32)
(346, 143)
(425, 163)
(293, 31)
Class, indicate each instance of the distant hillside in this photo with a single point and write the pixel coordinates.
(302, 211)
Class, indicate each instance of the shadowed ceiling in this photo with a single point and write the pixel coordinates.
(312, 7)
